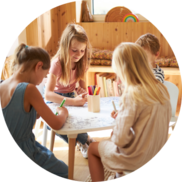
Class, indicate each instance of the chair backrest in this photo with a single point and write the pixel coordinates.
(173, 92)
(40, 87)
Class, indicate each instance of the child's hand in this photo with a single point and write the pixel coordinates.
(114, 114)
(80, 90)
(62, 110)
(84, 95)
(80, 101)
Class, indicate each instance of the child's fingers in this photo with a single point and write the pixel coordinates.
(114, 114)
(83, 95)
(80, 90)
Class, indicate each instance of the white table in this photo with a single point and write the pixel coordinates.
(82, 121)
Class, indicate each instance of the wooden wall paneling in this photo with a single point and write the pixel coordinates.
(47, 31)
(96, 31)
(133, 28)
(67, 15)
(32, 33)
(138, 30)
(164, 51)
(120, 35)
(130, 31)
(72, 10)
(59, 21)
(104, 44)
(22, 38)
(39, 29)
(116, 35)
(125, 36)
(62, 19)
(54, 31)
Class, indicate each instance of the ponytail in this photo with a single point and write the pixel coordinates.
(29, 56)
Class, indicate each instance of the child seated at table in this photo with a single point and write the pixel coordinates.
(142, 120)
(22, 103)
(150, 44)
(68, 67)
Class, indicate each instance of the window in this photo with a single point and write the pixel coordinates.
(99, 8)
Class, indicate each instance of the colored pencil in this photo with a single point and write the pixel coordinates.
(95, 91)
(98, 91)
(114, 106)
(91, 92)
(61, 105)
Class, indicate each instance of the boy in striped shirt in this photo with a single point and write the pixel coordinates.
(150, 44)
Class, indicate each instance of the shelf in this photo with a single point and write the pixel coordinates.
(108, 69)
(100, 69)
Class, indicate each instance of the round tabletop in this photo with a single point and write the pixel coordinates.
(80, 120)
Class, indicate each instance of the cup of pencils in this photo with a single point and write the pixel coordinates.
(93, 99)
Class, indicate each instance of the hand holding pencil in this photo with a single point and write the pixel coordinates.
(115, 112)
(61, 109)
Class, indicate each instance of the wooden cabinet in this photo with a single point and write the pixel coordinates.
(171, 74)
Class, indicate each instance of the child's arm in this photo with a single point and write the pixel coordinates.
(53, 97)
(114, 115)
(82, 87)
(122, 134)
(49, 91)
(34, 98)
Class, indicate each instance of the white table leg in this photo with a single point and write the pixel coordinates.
(44, 140)
(71, 155)
(52, 140)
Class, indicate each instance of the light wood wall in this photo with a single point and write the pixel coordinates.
(108, 35)
(46, 30)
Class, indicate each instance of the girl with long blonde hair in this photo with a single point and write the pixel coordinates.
(69, 66)
(142, 120)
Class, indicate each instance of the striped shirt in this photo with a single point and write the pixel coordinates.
(159, 73)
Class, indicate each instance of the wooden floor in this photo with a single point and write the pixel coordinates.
(81, 170)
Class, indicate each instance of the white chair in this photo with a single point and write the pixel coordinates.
(173, 92)
(40, 87)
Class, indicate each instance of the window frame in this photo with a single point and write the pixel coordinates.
(101, 18)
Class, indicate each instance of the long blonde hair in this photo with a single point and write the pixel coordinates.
(129, 63)
(72, 31)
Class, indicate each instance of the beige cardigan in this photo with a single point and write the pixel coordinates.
(150, 124)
